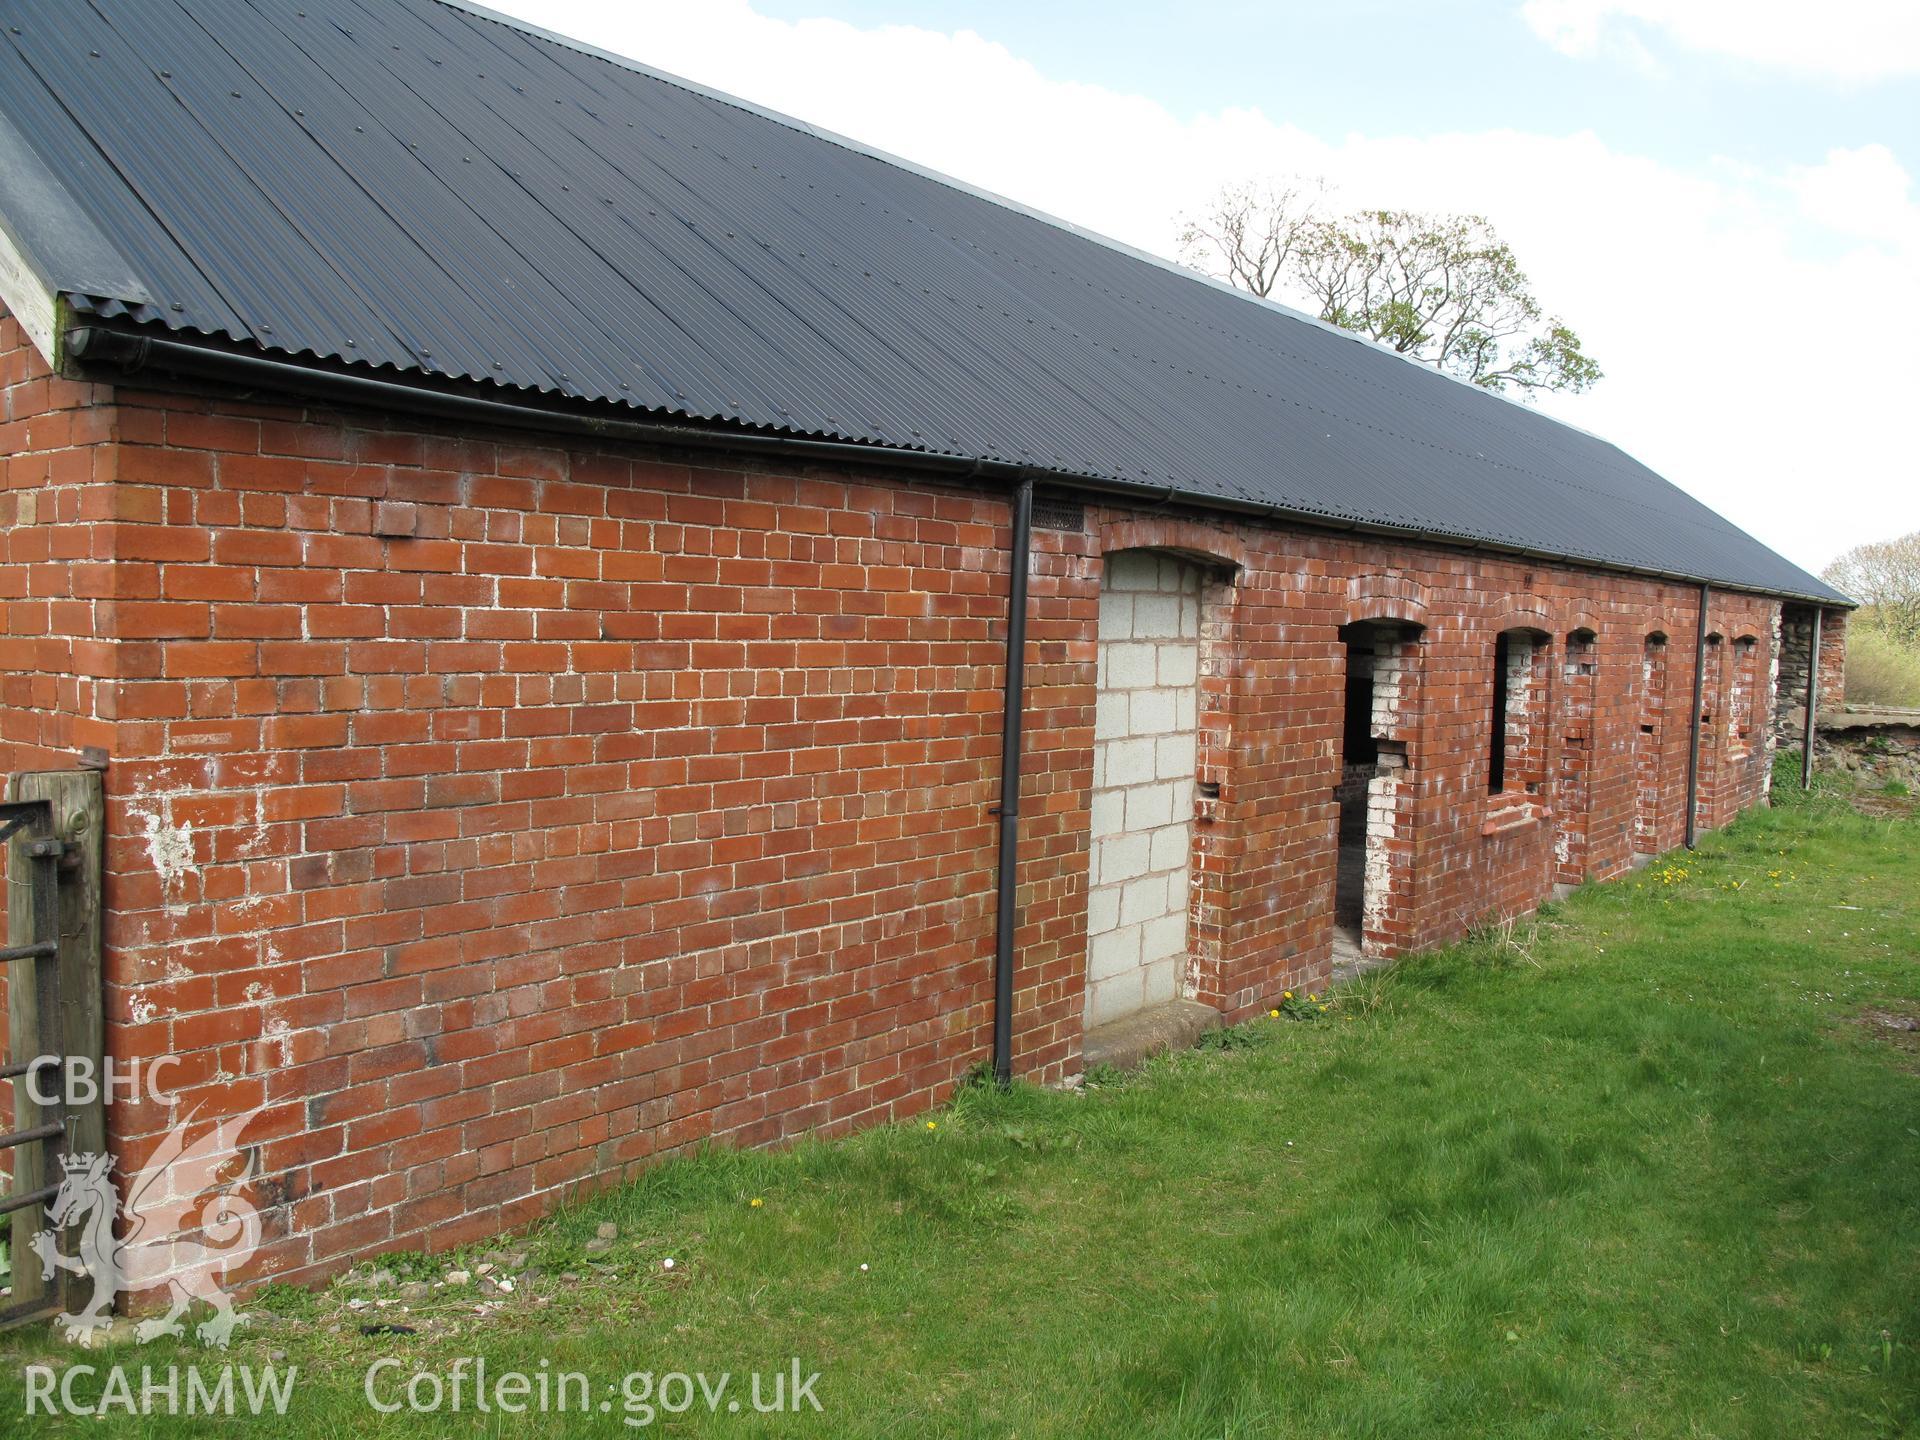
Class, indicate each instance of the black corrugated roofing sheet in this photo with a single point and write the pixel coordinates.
(408, 185)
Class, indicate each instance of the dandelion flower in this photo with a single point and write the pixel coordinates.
(1273, 1014)
(756, 1202)
(931, 1125)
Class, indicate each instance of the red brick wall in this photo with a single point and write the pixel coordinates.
(1471, 857)
(501, 815)
(58, 582)
(620, 805)
(1833, 660)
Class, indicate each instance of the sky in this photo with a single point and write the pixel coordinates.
(1717, 195)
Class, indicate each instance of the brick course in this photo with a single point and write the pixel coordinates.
(501, 814)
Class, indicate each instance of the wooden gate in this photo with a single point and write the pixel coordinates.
(51, 824)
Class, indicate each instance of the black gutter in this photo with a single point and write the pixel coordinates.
(1693, 747)
(1012, 723)
(131, 353)
(1813, 701)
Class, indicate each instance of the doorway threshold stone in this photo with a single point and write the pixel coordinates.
(1132, 1039)
(1349, 960)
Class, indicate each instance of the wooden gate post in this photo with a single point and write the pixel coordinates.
(79, 822)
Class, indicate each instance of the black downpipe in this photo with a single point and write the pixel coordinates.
(1693, 748)
(1013, 715)
(1813, 702)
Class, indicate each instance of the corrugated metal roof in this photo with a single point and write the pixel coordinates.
(419, 188)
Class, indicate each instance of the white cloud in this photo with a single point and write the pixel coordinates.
(1741, 315)
(1862, 193)
(1849, 40)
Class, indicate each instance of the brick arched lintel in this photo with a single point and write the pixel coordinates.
(1580, 620)
(1189, 538)
(1520, 612)
(1386, 597)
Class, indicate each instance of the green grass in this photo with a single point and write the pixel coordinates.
(1638, 1170)
(1881, 670)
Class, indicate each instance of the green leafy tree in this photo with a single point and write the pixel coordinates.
(1441, 289)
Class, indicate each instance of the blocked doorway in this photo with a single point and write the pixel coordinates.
(1706, 810)
(1573, 800)
(1373, 880)
(1145, 758)
(1650, 747)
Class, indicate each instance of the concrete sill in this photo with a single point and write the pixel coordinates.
(1506, 816)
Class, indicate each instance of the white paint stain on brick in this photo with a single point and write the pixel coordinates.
(1383, 821)
(1772, 736)
(275, 1048)
(169, 851)
(170, 848)
(1387, 790)
(277, 1039)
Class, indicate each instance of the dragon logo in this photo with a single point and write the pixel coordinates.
(159, 1246)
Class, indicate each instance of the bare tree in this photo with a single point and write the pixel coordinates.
(1442, 289)
(1250, 232)
(1884, 576)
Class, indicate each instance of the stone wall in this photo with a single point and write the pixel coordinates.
(1876, 748)
(1789, 729)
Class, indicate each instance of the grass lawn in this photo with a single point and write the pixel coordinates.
(1648, 1168)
